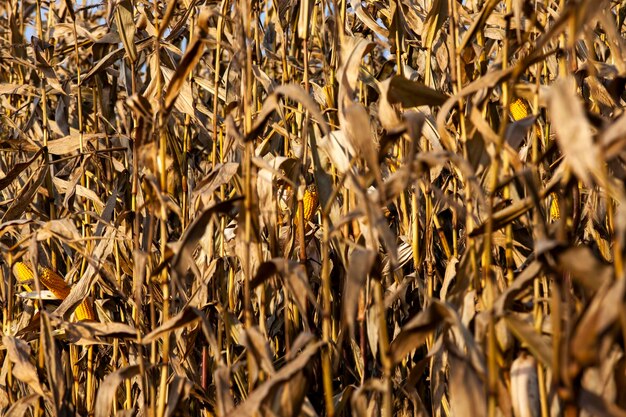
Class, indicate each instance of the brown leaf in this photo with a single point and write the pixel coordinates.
(352, 51)
(20, 407)
(81, 289)
(19, 354)
(597, 406)
(292, 92)
(585, 268)
(522, 282)
(262, 394)
(531, 339)
(113, 57)
(190, 59)
(85, 333)
(195, 231)
(489, 80)
(415, 332)
(360, 265)
(47, 70)
(184, 318)
(124, 18)
(290, 397)
(604, 310)
(17, 170)
(27, 193)
(178, 390)
(54, 367)
(573, 132)
(107, 393)
(511, 213)
(355, 123)
(255, 343)
(295, 277)
(409, 93)
(364, 16)
(467, 390)
(224, 398)
(219, 175)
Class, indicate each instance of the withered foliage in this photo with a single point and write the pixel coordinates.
(464, 161)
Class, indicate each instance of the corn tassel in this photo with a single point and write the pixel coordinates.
(56, 284)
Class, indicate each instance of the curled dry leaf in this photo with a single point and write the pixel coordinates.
(27, 193)
(82, 288)
(603, 311)
(414, 333)
(178, 390)
(18, 353)
(108, 388)
(573, 132)
(467, 390)
(17, 169)
(20, 407)
(195, 231)
(530, 339)
(361, 263)
(266, 393)
(356, 126)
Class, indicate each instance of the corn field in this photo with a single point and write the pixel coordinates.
(313, 208)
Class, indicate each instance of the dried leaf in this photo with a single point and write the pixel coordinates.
(360, 265)
(81, 289)
(263, 393)
(18, 352)
(467, 391)
(532, 340)
(26, 195)
(107, 392)
(415, 332)
(20, 407)
(409, 93)
(184, 318)
(189, 61)
(126, 27)
(17, 170)
(54, 369)
(573, 132)
(603, 311)
(194, 232)
(178, 390)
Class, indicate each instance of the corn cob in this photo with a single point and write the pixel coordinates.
(56, 284)
(519, 109)
(309, 202)
(555, 211)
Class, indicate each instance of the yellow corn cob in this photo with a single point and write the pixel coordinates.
(57, 286)
(555, 211)
(518, 109)
(309, 201)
